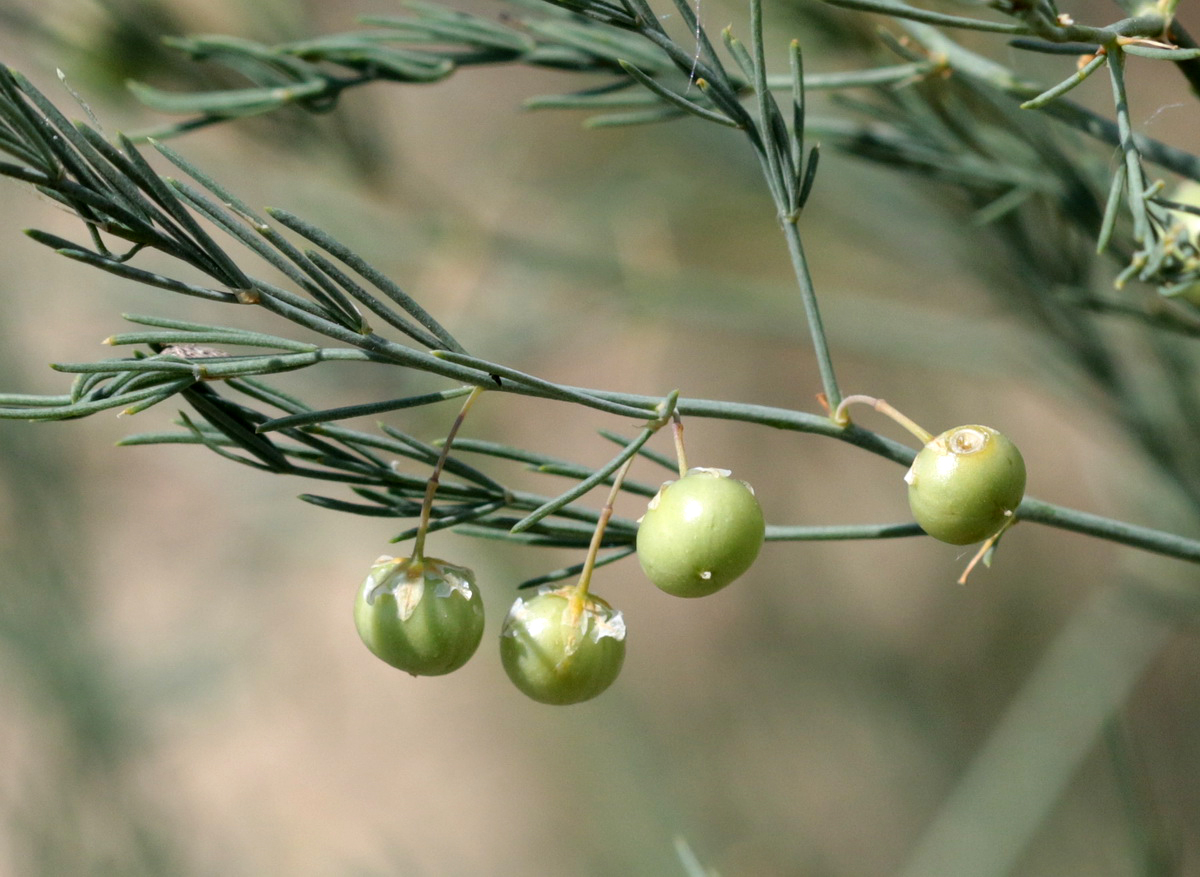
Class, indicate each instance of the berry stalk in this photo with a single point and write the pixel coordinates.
(841, 418)
(579, 594)
(431, 486)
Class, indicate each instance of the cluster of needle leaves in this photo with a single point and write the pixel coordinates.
(934, 108)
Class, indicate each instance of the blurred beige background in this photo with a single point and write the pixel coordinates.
(183, 690)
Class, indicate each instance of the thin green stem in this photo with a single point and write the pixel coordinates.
(841, 532)
(767, 110)
(900, 10)
(326, 415)
(1099, 59)
(599, 476)
(1135, 181)
(1154, 541)
(431, 488)
(816, 327)
(546, 388)
(606, 513)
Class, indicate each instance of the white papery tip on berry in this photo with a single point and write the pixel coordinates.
(450, 578)
(609, 623)
(517, 615)
(719, 473)
(598, 621)
(710, 470)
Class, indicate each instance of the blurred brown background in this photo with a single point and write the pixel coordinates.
(183, 690)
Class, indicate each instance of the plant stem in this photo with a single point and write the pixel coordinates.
(841, 532)
(1135, 182)
(432, 485)
(580, 592)
(988, 545)
(841, 418)
(782, 181)
(812, 312)
(1155, 541)
(680, 451)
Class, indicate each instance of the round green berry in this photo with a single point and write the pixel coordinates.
(559, 651)
(700, 533)
(965, 485)
(422, 616)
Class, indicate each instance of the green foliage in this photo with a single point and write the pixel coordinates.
(1079, 243)
(964, 131)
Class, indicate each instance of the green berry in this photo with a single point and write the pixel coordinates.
(556, 659)
(700, 533)
(422, 616)
(965, 485)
